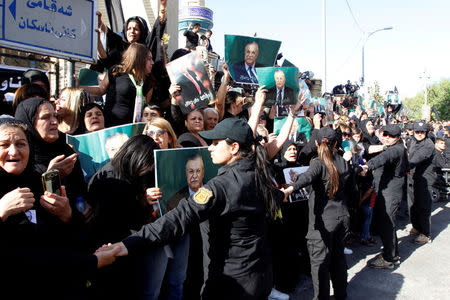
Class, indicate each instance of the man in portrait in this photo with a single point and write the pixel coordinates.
(244, 71)
(195, 172)
(282, 94)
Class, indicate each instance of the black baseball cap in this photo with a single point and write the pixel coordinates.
(328, 133)
(421, 126)
(392, 130)
(233, 128)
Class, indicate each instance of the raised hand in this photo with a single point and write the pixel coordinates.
(16, 201)
(63, 165)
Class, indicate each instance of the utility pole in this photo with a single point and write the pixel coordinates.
(426, 110)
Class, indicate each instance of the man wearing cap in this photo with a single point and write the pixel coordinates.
(421, 155)
(232, 210)
(392, 164)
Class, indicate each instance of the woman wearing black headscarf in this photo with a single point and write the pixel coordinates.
(31, 255)
(288, 236)
(48, 148)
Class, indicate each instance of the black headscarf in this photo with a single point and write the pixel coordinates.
(82, 126)
(28, 178)
(40, 151)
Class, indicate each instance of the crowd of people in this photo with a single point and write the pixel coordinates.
(248, 233)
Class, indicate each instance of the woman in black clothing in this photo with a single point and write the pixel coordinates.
(330, 177)
(288, 235)
(30, 250)
(48, 148)
(126, 83)
(119, 193)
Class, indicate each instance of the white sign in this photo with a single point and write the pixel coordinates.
(59, 28)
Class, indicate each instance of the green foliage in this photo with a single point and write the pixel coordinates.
(374, 93)
(438, 95)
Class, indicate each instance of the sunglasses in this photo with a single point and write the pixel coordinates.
(345, 134)
(262, 117)
(157, 133)
(388, 135)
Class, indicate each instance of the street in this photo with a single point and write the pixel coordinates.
(424, 272)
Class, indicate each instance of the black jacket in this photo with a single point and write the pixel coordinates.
(233, 227)
(324, 211)
(392, 165)
(421, 156)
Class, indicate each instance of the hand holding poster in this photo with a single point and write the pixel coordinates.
(290, 176)
(243, 54)
(190, 74)
(282, 87)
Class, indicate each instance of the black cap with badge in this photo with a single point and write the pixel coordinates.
(421, 126)
(233, 128)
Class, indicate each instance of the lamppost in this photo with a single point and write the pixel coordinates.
(364, 44)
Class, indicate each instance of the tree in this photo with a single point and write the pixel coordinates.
(438, 95)
(374, 93)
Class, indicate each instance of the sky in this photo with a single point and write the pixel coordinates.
(418, 42)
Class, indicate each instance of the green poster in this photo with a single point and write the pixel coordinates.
(303, 126)
(95, 148)
(181, 170)
(282, 86)
(287, 63)
(244, 53)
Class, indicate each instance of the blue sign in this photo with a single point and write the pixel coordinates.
(59, 28)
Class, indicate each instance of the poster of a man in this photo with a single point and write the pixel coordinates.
(245, 71)
(243, 54)
(195, 173)
(282, 87)
(181, 172)
(190, 74)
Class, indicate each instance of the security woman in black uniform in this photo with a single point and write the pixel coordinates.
(392, 164)
(331, 179)
(233, 209)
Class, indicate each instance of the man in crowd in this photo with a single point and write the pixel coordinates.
(206, 38)
(192, 36)
(245, 70)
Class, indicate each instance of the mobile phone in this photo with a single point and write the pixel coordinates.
(51, 182)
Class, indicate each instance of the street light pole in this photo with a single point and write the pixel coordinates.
(364, 44)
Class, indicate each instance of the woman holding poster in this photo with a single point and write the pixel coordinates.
(128, 86)
(236, 204)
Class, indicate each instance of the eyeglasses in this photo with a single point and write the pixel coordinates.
(157, 133)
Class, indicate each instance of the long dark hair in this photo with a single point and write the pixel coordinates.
(326, 152)
(264, 183)
(134, 163)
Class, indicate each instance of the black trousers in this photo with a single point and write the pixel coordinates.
(420, 205)
(328, 261)
(385, 211)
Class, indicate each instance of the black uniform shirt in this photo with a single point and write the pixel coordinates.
(392, 164)
(233, 229)
(322, 209)
(421, 156)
